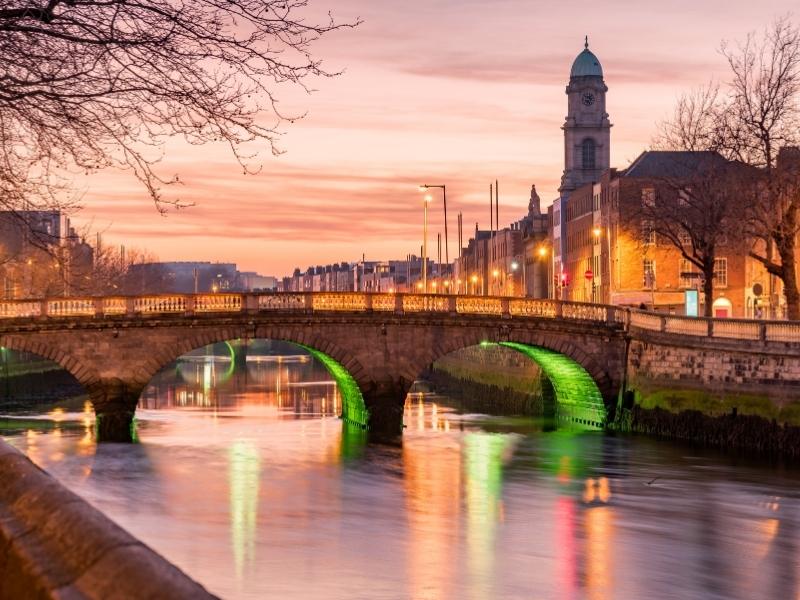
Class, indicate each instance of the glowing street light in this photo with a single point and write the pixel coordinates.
(542, 251)
(425, 187)
(427, 200)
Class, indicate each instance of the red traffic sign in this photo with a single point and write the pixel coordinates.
(589, 275)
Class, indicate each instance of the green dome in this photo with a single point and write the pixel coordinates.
(586, 65)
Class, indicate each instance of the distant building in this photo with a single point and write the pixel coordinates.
(182, 278)
(42, 255)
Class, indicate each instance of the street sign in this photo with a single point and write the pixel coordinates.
(691, 301)
(589, 275)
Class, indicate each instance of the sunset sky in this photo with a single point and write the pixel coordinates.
(459, 92)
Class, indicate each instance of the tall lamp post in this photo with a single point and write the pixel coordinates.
(424, 188)
(542, 252)
(425, 203)
(596, 232)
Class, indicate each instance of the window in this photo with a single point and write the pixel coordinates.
(684, 238)
(648, 197)
(688, 277)
(649, 269)
(648, 233)
(556, 218)
(721, 272)
(588, 153)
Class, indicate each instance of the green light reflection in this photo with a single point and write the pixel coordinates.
(484, 455)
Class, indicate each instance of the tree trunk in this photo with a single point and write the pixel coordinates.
(708, 290)
(789, 278)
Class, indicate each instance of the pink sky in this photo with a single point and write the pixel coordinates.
(441, 91)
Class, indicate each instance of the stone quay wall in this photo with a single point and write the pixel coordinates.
(733, 396)
(684, 373)
(53, 545)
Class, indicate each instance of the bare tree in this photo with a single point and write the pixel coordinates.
(763, 120)
(91, 84)
(697, 200)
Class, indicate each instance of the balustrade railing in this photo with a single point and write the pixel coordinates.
(583, 312)
(188, 304)
(533, 308)
(281, 302)
(218, 303)
(159, 304)
(479, 305)
(354, 302)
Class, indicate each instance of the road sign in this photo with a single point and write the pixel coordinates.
(690, 302)
(589, 275)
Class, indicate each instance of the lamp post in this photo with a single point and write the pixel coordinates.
(425, 203)
(424, 188)
(514, 267)
(542, 252)
(596, 232)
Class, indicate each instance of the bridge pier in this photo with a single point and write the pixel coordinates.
(385, 401)
(114, 403)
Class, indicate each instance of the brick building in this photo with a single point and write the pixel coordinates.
(633, 266)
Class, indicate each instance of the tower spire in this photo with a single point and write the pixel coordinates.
(586, 43)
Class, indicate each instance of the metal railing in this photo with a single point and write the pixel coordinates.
(414, 304)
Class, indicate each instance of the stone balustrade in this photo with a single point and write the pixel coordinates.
(189, 304)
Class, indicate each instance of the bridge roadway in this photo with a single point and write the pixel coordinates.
(375, 345)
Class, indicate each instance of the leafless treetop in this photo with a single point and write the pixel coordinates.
(90, 84)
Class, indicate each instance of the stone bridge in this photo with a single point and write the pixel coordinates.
(375, 345)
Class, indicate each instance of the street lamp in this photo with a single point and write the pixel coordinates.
(424, 188)
(514, 267)
(596, 232)
(474, 280)
(425, 203)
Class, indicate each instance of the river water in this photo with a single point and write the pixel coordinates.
(246, 480)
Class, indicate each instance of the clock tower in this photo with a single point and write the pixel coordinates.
(587, 130)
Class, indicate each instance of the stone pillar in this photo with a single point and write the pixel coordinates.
(115, 403)
(385, 401)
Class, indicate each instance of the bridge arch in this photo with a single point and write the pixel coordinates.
(339, 363)
(84, 375)
(584, 390)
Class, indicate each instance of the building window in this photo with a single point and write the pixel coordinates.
(648, 233)
(721, 272)
(649, 269)
(588, 153)
(687, 276)
(649, 197)
(684, 238)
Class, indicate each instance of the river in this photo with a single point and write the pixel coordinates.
(246, 480)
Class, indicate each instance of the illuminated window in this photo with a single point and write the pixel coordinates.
(649, 269)
(688, 275)
(721, 272)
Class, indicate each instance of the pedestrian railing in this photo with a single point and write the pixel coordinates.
(416, 304)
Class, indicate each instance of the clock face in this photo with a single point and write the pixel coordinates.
(587, 98)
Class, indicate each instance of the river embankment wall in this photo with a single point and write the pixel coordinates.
(493, 379)
(743, 398)
(716, 380)
(53, 544)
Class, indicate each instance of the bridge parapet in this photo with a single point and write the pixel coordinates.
(413, 304)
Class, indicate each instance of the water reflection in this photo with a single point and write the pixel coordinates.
(245, 475)
(246, 480)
